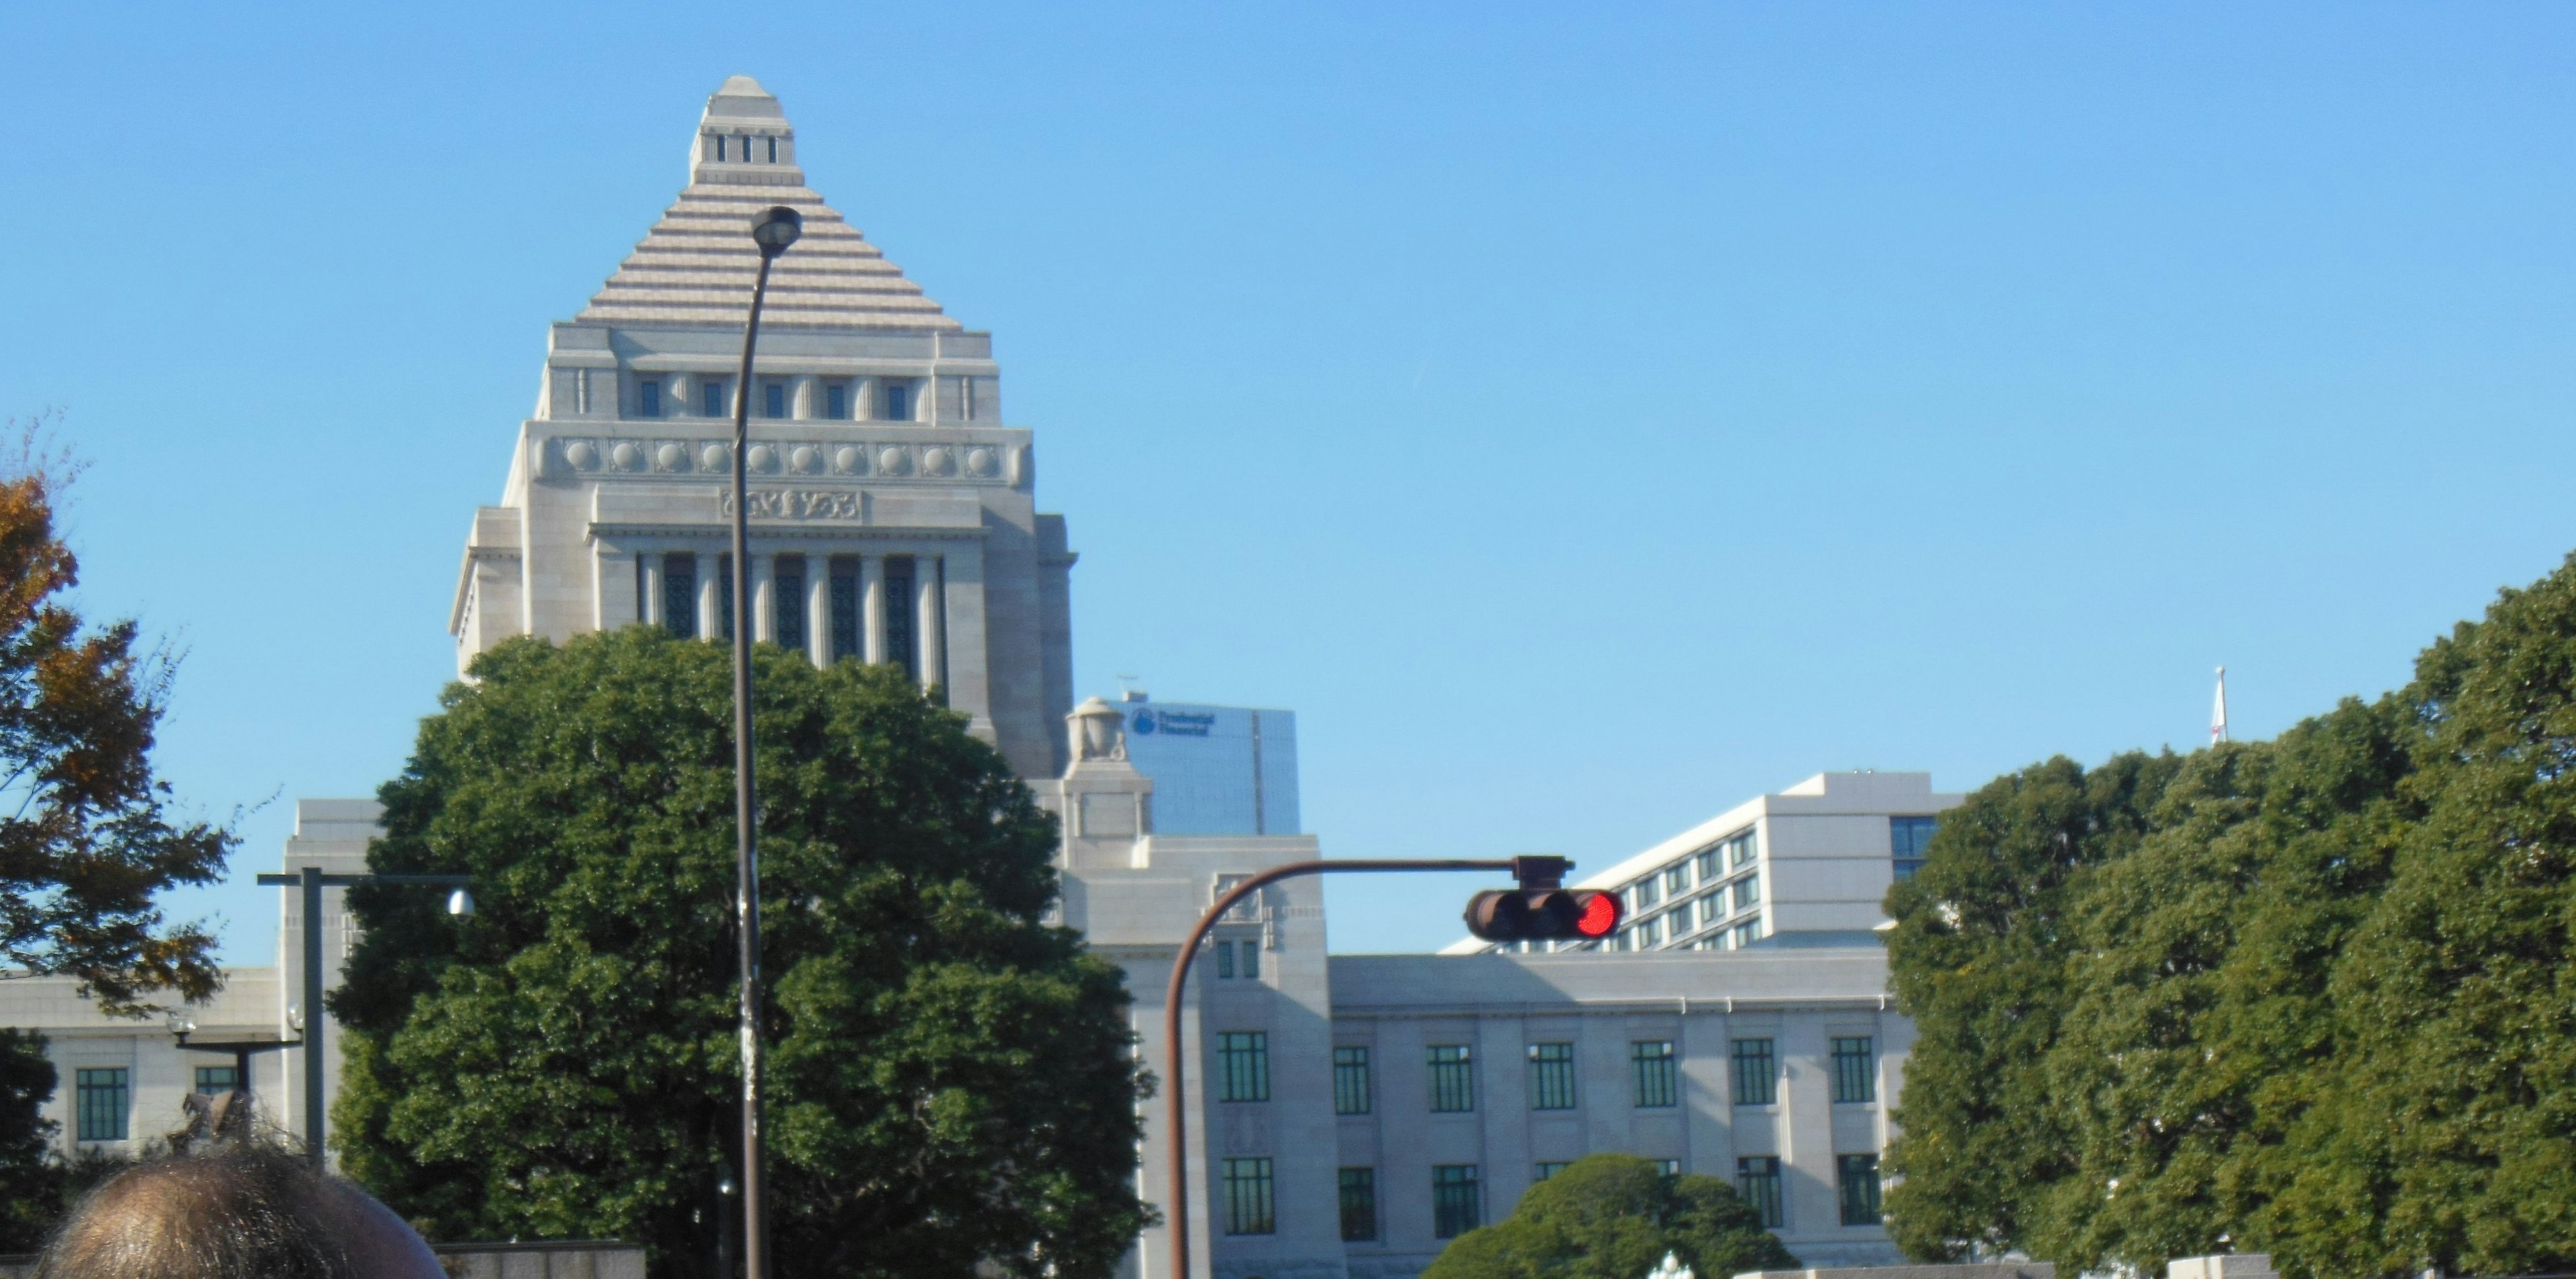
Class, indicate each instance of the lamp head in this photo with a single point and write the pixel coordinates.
(775, 229)
(460, 904)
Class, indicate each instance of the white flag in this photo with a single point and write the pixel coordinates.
(2218, 713)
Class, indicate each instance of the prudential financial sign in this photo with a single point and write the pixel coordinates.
(1150, 721)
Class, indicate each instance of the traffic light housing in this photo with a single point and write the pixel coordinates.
(1541, 910)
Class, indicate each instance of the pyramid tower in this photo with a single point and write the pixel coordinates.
(892, 510)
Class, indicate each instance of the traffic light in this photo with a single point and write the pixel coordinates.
(1540, 909)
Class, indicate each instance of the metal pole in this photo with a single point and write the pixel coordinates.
(310, 880)
(746, 853)
(1176, 1114)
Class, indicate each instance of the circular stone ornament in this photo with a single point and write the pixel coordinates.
(938, 461)
(715, 457)
(891, 461)
(848, 460)
(583, 455)
(981, 462)
(671, 457)
(764, 459)
(807, 459)
(626, 457)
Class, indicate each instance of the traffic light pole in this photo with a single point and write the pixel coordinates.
(1545, 869)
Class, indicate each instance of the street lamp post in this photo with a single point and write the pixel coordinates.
(1528, 869)
(313, 881)
(771, 232)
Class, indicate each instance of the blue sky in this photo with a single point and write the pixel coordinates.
(1585, 418)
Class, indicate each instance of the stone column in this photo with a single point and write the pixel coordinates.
(684, 396)
(927, 636)
(961, 577)
(648, 609)
(818, 605)
(863, 408)
(712, 601)
(764, 599)
(872, 609)
(804, 397)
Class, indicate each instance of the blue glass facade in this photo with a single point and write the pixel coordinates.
(1217, 770)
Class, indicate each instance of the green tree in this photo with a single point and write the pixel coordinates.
(949, 1078)
(32, 1178)
(1615, 1217)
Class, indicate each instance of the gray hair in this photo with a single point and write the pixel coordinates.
(237, 1210)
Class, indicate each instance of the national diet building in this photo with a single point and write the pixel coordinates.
(1352, 1113)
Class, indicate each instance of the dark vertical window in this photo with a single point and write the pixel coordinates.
(1243, 1065)
(724, 597)
(101, 1105)
(1453, 1079)
(1658, 1084)
(787, 603)
(1740, 849)
(711, 396)
(1748, 892)
(1225, 959)
(680, 595)
(898, 402)
(1856, 1178)
(1757, 1180)
(900, 610)
(1551, 1076)
(720, 146)
(1251, 958)
(1757, 1073)
(648, 398)
(845, 609)
(1359, 1204)
(1248, 1200)
(773, 400)
(773, 150)
(1908, 837)
(1350, 1080)
(212, 1080)
(1855, 1070)
(1456, 1207)
(836, 401)
(1550, 1169)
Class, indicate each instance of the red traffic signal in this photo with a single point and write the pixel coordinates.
(1544, 914)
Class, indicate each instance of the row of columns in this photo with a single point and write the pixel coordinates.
(926, 604)
(808, 397)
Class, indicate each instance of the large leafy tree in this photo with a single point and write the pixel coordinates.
(949, 1077)
(1616, 1217)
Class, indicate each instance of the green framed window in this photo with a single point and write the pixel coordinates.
(100, 1103)
(1457, 1203)
(1249, 1204)
(1243, 1065)
(1359, 1204)
(1756, 1073)
(1550, 1168)
(1856, 1184)
(1351, 1080)
(1551, 1076)
(216, 1080)
(1658, 1075)
(1855, 1069)
(1757, 1181)
(1453, 1079)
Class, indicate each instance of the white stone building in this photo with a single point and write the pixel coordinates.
(1352, 1111)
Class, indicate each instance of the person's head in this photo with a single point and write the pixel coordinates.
(236, 1211)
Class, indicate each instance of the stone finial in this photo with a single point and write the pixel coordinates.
(744, 139)
(1098, 733)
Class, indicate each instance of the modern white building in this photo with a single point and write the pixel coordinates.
(1353, 1112)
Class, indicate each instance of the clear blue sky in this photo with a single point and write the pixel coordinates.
(1585, 418)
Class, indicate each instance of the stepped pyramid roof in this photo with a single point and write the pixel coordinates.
(695, 266)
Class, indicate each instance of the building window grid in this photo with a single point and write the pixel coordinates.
(101, 1106)
(1741, 847)
(1456, 1204)
(1359, 1204)
(1907, 838)
(680, 595)
(1250, 1206)
(845, 615)
(1550, 1168)
(1243, 1065)
(1856, 1181)
(1453, 1079)
(1855, 1069)
(1755, 1072)
(1551, 1076)
(1658, 1076)
(1351, 1080)
(787, 603)
(1757, 1181)
(214, 1080)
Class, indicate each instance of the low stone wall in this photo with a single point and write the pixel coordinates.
(1997, 1270)
(545, 1259)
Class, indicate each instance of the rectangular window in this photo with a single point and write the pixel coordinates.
(1547, 1170)
(1248, 1209)
(773, 400)
(1856, 1176)
(1456, 1206)
(1453, 1079)
(1551, 1076)
(1648, 892)
(212, 1080)
(712, 393)
(1243, 1065)
(845, 611)
(1350, 1080)
(1908, 837)
(1855, 1070)
(1658, 1076)
(1757, 1180)
(1251, 958)
(680, 595)
(1747, 933)
(724, 597)
(1712, 908)
(1756, 1071)
(899, 612)
(720, 146)
(1740, 849)
(648, 398)
(836, 401)
(1748, 892)
(1670, 1167)
(101, 1106)
(1359, 1204)
(898, 403)
(773, 150)
(787, 603)
(1225, 960)
(1676, 879)
(1711, 864)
